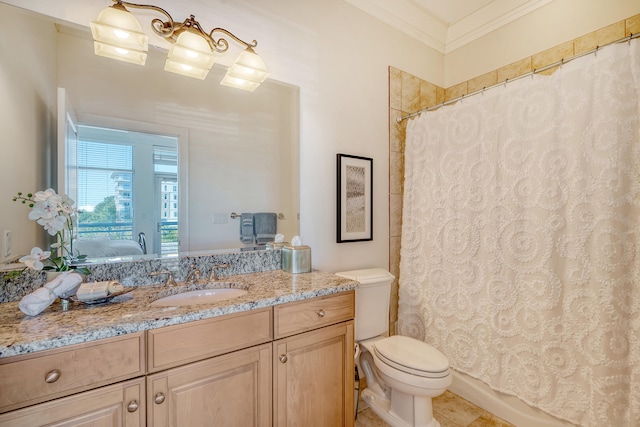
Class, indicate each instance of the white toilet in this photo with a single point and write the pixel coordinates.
(403, 374)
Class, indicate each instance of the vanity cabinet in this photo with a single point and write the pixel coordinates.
(291, 364)
(313, 362)
(71, 371)
(46, 375)
(229, 390)
(117, 405)
(220, 372)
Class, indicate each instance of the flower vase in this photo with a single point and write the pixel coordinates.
(51, 274)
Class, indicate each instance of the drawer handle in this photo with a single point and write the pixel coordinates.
(320, 313)
(52, 376)
(283, 358)
(133, 406)
(159, 398)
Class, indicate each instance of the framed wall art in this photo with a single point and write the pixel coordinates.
(355, 198)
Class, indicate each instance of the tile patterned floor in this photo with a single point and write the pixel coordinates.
(449, 409)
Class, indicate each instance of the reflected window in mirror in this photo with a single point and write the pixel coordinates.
(126, 191)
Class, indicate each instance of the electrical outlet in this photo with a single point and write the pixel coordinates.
(6, 243)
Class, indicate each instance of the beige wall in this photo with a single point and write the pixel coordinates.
(338, 56)
(551, 25)
(27, 123)
(408, 94)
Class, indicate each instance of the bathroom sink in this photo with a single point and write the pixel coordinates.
(199, 296)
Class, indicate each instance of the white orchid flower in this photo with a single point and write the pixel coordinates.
(67, 204)
(34, 260)
(42, 210)
(47, 194)
(53, 225)
(57, 214)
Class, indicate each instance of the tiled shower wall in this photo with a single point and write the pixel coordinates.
(408, 94)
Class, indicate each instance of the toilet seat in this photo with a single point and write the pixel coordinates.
(411, 356)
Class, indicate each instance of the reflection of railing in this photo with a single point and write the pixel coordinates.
(111, 230)
(168, 237)
(124, 231)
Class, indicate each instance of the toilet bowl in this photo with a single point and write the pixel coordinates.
(402, 373)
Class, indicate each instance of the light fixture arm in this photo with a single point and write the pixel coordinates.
(169, 29)
(233, 36)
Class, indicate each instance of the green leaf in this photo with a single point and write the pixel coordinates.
(83, 270)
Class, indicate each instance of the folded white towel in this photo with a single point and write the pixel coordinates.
(36, 301)
(64, 285)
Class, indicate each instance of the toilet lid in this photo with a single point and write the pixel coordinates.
(412, 356)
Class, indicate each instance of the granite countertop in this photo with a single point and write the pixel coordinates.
(132, 312)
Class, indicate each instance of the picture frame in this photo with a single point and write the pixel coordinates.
(355, 198)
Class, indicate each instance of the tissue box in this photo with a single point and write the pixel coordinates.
(296, 259)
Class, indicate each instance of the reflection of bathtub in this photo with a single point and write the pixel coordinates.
(507, 407)
(101, 247)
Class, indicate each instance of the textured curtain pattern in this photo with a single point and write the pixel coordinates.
(520, 255)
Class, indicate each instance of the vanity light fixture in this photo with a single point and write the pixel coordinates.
(117, 34)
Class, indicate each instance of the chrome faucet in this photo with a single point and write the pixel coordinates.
(171, 280)
(193, 277)
(213, 276)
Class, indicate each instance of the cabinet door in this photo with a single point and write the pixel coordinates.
(229, 390)
(313, 378)
(111, 406)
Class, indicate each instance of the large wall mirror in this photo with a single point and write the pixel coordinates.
(209, 151)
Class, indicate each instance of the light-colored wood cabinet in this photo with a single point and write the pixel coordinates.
(313, 378)
(229, 390)
(224, 371)
(297, 317)
(189, 342)
(313, 373)
(41, 376)
(117, 405)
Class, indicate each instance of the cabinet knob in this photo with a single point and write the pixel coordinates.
(133, 406)
(320, 313)
(52, 376)
(159, 398)
(283, 358)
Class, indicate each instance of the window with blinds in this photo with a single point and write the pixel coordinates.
(105, 190)
(124, 179)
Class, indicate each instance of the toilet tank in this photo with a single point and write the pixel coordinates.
(372, 301)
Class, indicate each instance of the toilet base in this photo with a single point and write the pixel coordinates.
(382, 408)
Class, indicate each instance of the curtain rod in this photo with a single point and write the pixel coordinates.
(530, 73)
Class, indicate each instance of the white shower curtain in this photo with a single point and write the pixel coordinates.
(520, 256)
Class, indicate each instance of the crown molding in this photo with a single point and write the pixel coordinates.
(487, 19)
(413, 20)
(409, 18)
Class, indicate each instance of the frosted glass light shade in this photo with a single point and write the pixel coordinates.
(239, 83)
(117, 34)
(119, 53)
(190, 55)
(185, 69)
(247, 72)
